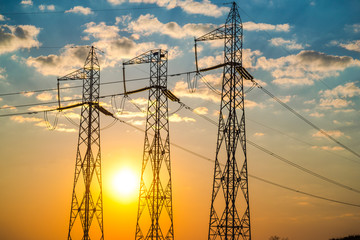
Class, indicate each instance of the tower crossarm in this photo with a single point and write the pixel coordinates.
(216, 34)
(146, 57)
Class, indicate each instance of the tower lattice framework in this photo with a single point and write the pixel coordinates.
(155, 214)
(87, 201)
(230, 212)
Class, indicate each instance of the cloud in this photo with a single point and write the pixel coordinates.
(14, 37)
(177, 118)
(334, 133)
(317, 115)
(26, 2)
(251, 26)
(204, 7)
(124, 19)
(356, 27)
(2, 18)
(140, 101)
(101, 30)
(348, 90)
(259, 134)
(201, 110)
(129, 114)
(80, 10)
(149, 24)
(70, 59)
(328, 148)
(351, 46)
(3, 74)
(289, 44)
(45, 96)
(305, 67)
(181, 90)
(336, 103)
(43, 7)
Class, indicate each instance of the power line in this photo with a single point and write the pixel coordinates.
(300, 140)
(106, 83)
(305, 120)
(62, 88)
(305, 193)
(284, 159)
(258, 178)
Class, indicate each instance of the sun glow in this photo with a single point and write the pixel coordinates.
(125, 184)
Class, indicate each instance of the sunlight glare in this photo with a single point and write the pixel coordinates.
(125, 183)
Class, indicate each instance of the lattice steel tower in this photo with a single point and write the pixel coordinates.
(155, 215)
(87, 201)
(229, 215)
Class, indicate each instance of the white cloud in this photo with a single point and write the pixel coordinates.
(116, 2)
(334, 133)
(124, 19)
(356, 27)
(149, 24)
(336, 103)
(26, 2)
(348, 90)
(328, 148)
(201, 110)
(305, 67)
(181, 90)
(45, 96)
(251, 26)
(259, 134)
(81, 10)
(3, 74)
(17, 37)
(2, 18)
(289, 44)
(177, 118)
(316, 114)
(43, 7)
(70, 59)
(351, 46)
(205, 7)
(101, 30)
(140, 101)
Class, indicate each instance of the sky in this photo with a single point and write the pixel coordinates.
(307, 53)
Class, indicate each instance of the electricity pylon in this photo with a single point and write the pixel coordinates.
(87, 201)
(155, 215)
(225, 221)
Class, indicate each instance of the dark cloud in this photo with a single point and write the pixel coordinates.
(323, 60)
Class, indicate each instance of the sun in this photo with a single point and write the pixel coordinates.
(125, 183)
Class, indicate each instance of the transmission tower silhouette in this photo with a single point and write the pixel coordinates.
(229, 215)
(87, 201)
(155, 214)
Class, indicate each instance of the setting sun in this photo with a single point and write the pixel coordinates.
(125, 183)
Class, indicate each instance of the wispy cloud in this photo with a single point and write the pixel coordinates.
(251, 26)
(26, 2)
(333, 133)
(289, 44)
(43, 7)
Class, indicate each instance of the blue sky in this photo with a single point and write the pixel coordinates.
(307, 53)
